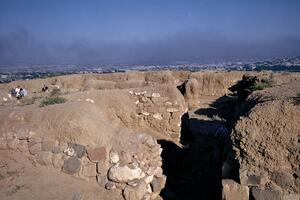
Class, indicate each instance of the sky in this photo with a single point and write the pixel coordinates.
(147, 31)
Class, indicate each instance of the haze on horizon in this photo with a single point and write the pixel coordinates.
(147, 31)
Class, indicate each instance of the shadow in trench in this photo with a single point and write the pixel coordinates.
(195, 170)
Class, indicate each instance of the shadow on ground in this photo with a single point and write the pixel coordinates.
(194, 171)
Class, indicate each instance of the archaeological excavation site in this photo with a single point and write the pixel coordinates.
(162, 135)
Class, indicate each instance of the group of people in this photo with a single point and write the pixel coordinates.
(19, 92)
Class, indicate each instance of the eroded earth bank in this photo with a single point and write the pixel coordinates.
(152, 135)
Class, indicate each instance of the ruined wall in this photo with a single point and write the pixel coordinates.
(133, 167)
(266, 145)
(160, 108)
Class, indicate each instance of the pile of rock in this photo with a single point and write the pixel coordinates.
(135, 170)
(159, 112)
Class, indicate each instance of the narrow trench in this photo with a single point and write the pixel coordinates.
(195, 171)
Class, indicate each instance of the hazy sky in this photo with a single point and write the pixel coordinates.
(147, 31)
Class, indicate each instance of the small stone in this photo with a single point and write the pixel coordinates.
(58, 160)
(78, 149)
(155, 95)
(25, 135)
(145, 113)
(102, 179)
(90, 100)
(110, 185)
(172, 110)
(72, 165)
(113, 157)
(44, 158)
(69, 151)
(12, 143)
(157, 116)
(89, 170)
(158, 172)
(47, 145)
(3, 143)
(125, 158)
(149, 179)
(102, 167)
(63, 146)
(23, 146)
(96, 154)
(36, 148)
(57, 149)
(233, 191)
(158, 183)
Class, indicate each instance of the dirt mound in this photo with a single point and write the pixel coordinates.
(266, 142)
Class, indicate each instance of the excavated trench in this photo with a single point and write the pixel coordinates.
(194, 171)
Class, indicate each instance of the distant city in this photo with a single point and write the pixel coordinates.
(10, 73)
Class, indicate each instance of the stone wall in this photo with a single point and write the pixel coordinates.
(160, 109)
(135, 170)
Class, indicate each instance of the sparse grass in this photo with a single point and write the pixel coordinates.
(297, 99)
(52, 100)
(264, 83)
(261, 86)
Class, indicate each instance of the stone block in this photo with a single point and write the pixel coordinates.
(233, 191)
(89, 170)
(110, 185)
(72, 165)
(13, 143)
(101, 180)
(23, 146)
(35, 148)
(44, 158)
(47, 145)
(251, 179)
(158, 183)
(97, 154)
(58, 160)
(3, 143)
(79, 149)
(102, 167)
